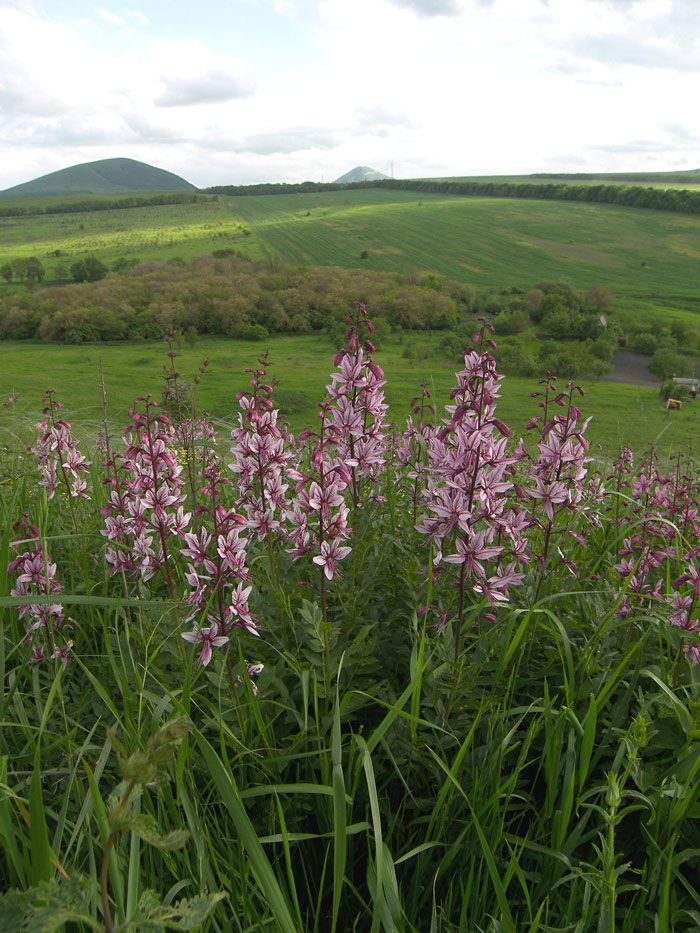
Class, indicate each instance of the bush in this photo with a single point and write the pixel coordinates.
(644, 342)
(88, 270)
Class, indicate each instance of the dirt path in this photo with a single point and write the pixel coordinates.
(632, 368)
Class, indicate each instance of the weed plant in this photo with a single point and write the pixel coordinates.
(366, 677)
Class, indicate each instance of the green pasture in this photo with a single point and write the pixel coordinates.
(622, 414)
(649, 259)
(486, 242)
(157, 232)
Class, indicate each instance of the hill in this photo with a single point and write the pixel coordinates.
(360, 173)
(106, 176)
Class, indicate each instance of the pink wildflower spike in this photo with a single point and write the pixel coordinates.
(60, 460)
(357, 409)
(262, 452)
(46, 624)
(467, 496)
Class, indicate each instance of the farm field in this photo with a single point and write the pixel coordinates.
(649, 259)
(622, 414)
(155, 232)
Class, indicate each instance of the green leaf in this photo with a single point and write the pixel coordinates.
(339, 813)
(228, 791)
(146, 828)
(187, 914)
(48, 906)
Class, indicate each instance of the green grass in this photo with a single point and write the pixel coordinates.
(546, 779)
(622, 414)
(158, 232)
(484, 241)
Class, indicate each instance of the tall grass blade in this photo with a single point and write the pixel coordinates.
(40, 850)
(508, 924)
(269, 886)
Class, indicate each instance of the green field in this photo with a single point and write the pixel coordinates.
(484, 241)
(649, 259)
(621, 414)
(689, 180)
(157, 232)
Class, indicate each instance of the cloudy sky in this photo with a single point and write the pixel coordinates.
(243, 91)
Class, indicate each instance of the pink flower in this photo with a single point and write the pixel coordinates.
(331, 553)
(208, 639)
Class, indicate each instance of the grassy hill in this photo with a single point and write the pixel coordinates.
(106, 176)
(648, 258)
(155, 232)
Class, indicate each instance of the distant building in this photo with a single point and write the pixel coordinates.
(692, 385)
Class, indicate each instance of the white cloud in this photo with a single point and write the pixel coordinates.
(430, 7)
(189, 74)
(295, 89)
(109, 17)
(290, 140)
(137, 16)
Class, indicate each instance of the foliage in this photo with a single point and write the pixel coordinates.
(88, 270)
(293, 669)
(666, 363)
(29, 270)
(230, 296)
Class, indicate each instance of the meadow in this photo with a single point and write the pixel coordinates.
(155, 232)
(649, 259)
(385, 669)
(348, 679)
(622, 415)
(486, 242)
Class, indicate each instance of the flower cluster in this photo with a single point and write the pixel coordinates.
(410, 447)
(317, 523)
(468, 512)
(145, 500)
(663, 535)
(261, 454)
(559, 474)
(36, 575)
(216, 565)
(357, 411)
(60, 460)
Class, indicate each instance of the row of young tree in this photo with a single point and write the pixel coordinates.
(30, 270)
(89, 204)
(230, 296)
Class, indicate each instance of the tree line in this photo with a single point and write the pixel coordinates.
(29, 270)
(87, 206)
(660, 199)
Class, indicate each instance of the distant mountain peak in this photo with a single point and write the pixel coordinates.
(106, 176)
(360, 173)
